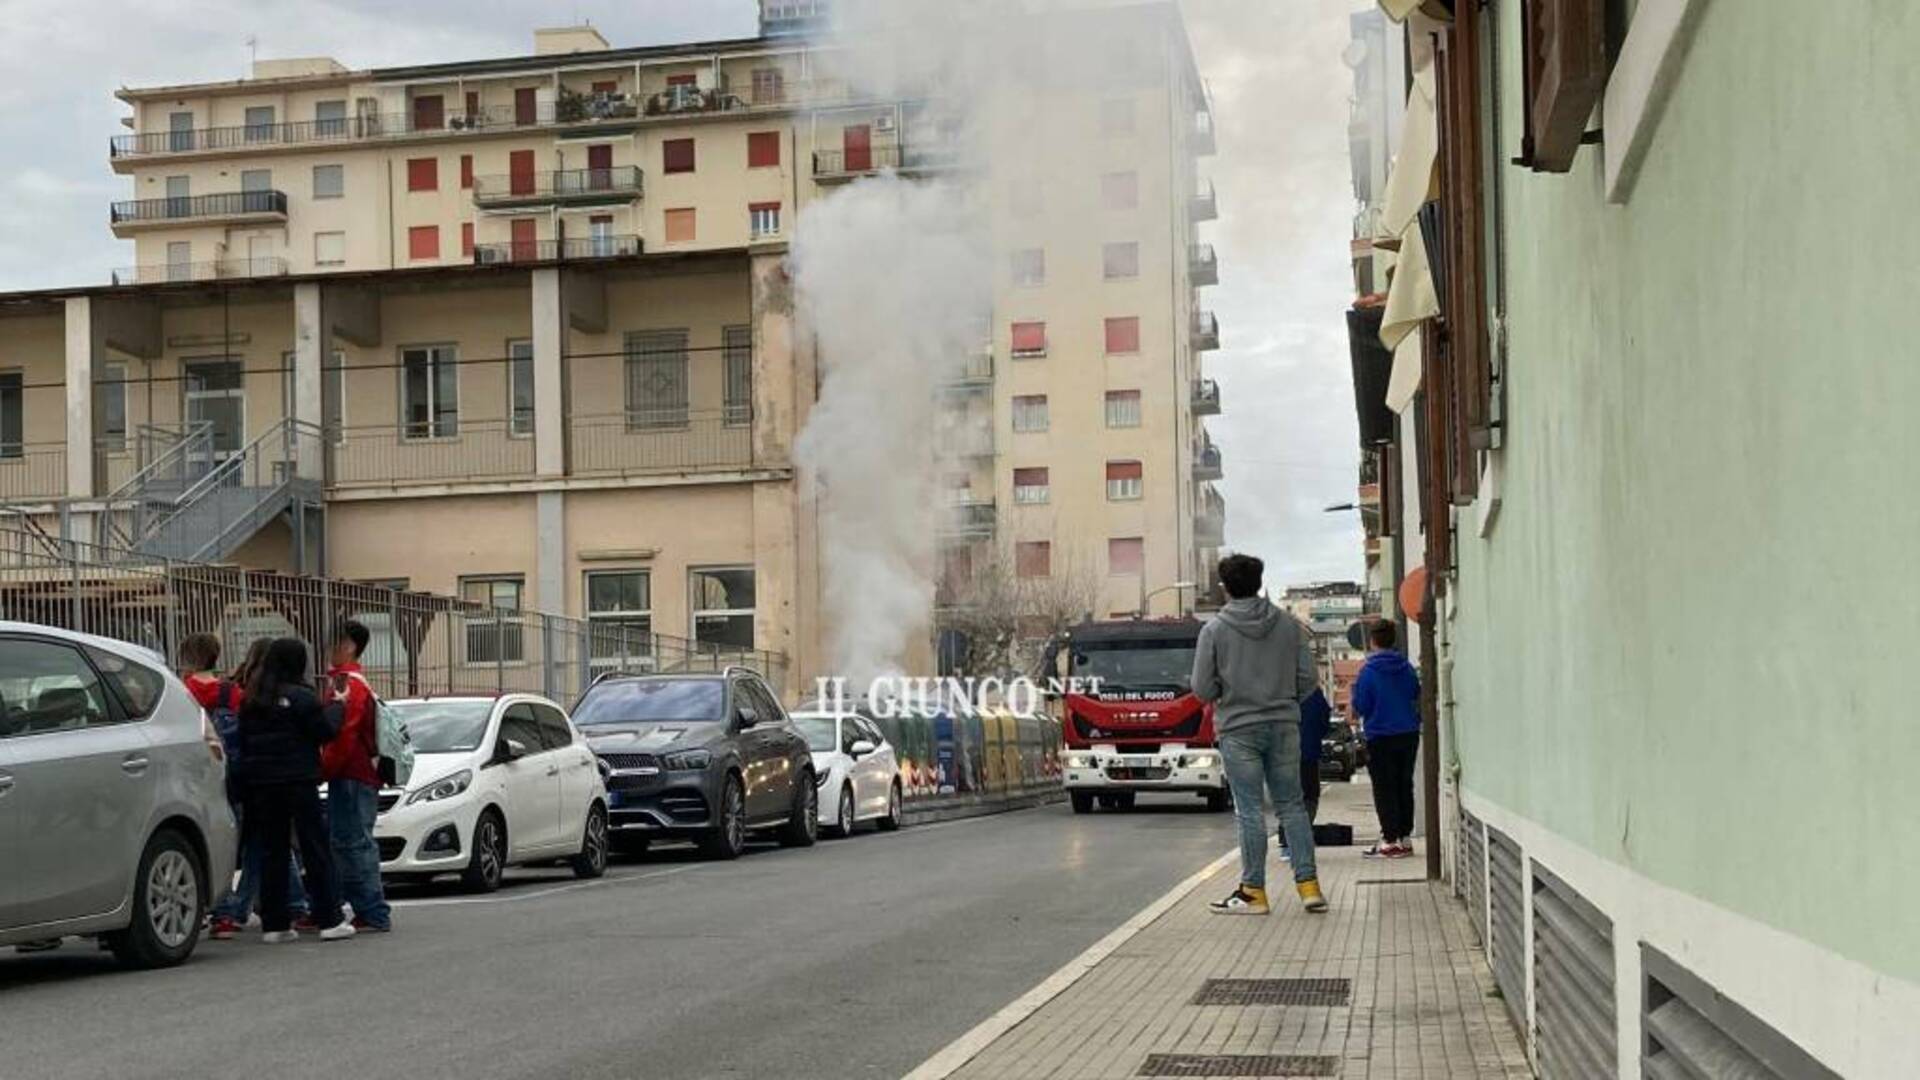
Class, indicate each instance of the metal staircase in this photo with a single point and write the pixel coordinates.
(190, 504)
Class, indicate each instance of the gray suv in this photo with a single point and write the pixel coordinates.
(707, 758)
(113, 810)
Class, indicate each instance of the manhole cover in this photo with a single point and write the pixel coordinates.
(1322, 992)
(1267, 1065)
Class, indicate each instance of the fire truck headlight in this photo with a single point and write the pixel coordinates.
(1079, 761)
(1201, 761)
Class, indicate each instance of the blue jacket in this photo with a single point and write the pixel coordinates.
(1315, 714)
(1387, 695)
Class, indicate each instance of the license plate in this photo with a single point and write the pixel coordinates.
(1137, 762)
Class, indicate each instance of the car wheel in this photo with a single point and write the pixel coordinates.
(168, 903)
(592, 860)
(895, 812)
(488, 863)
(843, 816)
(727, 837)
(1219, 801)
(803, 825)
(1082, 802)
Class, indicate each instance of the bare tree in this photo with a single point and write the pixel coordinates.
(1007, 618)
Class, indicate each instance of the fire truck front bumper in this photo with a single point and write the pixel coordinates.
(1172, 768)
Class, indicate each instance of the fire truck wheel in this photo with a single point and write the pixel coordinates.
(1219, 801)
(1082, 802)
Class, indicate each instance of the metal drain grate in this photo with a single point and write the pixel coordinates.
(1320, 992)
(1267, 1065)
(1392, 881)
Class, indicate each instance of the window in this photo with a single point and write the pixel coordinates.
(13, 418)
(330, 118)
(619, 616)
(255, 180)
(517, 724)
(1125, 555)
(423, 242)
(423, 174)
(520, 387)
(1032, 558)
(1121, 260)
(1123, 336)
(763, 219)
(429, 113)
(259, 123)
(466, 239)
(722, 602)
(656, 379)
(680, 226)
(526, 105)
(470, 108)
(1030, 412)
(136, 687)
(1120, 191)
(1029, 486)
(179, 260)
(1123, 408)
(763, 149)
(1123, 481)
(49, 687)
(180, 131)
(110, 398)
(676, 155)
(329, 181)
(1030, 266)
(1029, 339)
(737, 342)
(493, 633)
(769, 86)
(555, 732)
(329, 248)
(466, 171)
(430, 391)
(1116, 117)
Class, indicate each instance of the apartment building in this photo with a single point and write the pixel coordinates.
(523, 329)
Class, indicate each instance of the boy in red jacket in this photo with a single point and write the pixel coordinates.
(352, 771)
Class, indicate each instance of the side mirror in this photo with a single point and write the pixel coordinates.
(862, 748)
(745, 719)
(509, 750)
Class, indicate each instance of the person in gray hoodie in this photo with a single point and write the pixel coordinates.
(1254, 663)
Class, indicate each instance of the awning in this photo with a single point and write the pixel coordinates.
(1398, 10)
(1405, 380)
(1372, 366)
(1411, 183)
(1411, 297)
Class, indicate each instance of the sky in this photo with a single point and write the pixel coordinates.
(1280, 92)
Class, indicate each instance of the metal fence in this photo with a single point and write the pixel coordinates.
(422, 643)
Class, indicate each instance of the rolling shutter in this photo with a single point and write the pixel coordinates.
(1574, 1023)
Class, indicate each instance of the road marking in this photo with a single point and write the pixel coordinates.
(967, 1047)
(553, 890)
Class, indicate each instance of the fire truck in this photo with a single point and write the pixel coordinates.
(1129, 719)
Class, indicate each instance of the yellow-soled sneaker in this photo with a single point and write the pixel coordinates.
(1310, 897)
(1245, 900)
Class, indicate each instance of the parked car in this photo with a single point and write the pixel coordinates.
(1340, 751)
(113, 807)
(708, 758)
(496, 782)
(855, 769)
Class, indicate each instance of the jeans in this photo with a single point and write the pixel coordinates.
(286, 814)
(1268, 756)
(351, 808)
(238, 902)
(1390, 760)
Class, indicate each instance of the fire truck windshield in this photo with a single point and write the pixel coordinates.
(1135, 665)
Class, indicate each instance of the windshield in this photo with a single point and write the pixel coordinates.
(444, 727)
(819, 732)
(652, 701)
(1135, 665)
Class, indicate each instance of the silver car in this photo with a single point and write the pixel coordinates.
(113, 809)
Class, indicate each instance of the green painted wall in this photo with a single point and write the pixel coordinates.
(1692, 643)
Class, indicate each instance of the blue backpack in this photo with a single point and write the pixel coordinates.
(226, 724)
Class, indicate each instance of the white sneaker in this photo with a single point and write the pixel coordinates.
(337, 932)
(279, 937)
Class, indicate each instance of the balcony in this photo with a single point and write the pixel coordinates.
(1205, 207)
(1206, 397)
(231, 208)
(1207, 463)
(969, 516)
(1370, 494)
(975, 374)
(32, 472)
(1206, 330)
(253, 137)
(1203, 141)
(840, 166)
(573, 249)
(1209, 518)
(1203, 266)
(218, 270)
(553, 186)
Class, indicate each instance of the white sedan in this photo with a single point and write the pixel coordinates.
(496, 782)
(855, 768)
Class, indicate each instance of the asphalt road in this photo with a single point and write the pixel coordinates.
(857, 958)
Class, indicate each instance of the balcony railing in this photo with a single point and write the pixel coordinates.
(32, 471)
(568, 250)
(558, 185)
(217, 270)
(1207, 464)
(976, 372)
(1206, 206)
(454, 449)
(1203, 265)
(1206, 330)
(662, 441)
(1206, 397)
(831, 166)
(227, 204)
(1203, 140)
(970, 517)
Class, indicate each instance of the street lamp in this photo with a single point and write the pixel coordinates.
(1339, 508)
(1146, 596)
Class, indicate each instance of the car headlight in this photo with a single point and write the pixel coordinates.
(1202, 761)
(1079, 761)
(687, 760)
(823, 775)
(444, 788)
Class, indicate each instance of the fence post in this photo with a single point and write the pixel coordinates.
(546, 656)
(172, 633)
(395, 639)
(500, 651)
(73, 555)
(450, 610)
(323, 627)
(586, 654)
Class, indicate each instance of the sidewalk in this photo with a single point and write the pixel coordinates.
(1419, 1001)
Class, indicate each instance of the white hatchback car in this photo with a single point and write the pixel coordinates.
(496, 782)
(855, 768)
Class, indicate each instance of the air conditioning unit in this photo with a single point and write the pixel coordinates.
(883, 122)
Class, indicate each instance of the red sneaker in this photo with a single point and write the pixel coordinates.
(223, 929)
(1400, 851)
(305, 925)
(363, 926)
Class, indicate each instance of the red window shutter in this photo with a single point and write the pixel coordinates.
(466, 171)
(1125, 555)
(1029, 478)
(423, 174)
(423, 242)
(682, 80)
(1123, 470)
(1029, 337)
(1033, 558)
(763, 149)
(526, 106)
(525, 234)
(600, 219)
(520, 172)
(466, 239)
(758, 206)
(676, 155)
(608, 87)
(1123, 335)
(429, 113)
(473, 104)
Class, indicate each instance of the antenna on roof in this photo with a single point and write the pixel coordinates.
(253, 51)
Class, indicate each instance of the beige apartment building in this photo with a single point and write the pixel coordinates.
(523, 330)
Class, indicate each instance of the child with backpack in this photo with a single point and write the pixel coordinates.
(351, 766)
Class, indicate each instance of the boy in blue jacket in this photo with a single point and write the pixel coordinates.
(1387, 697)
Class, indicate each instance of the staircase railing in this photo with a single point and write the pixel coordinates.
(201, 518)
(173, 456)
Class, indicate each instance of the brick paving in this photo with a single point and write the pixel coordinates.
(1422, 1003)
